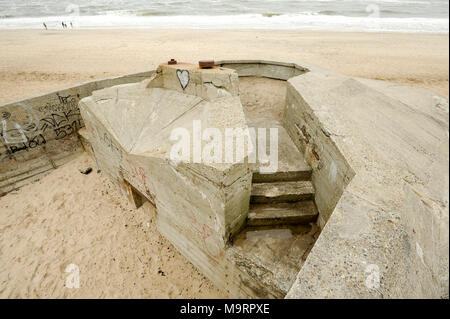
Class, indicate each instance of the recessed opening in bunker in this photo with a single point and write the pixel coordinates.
(137, 198)
(281, 227)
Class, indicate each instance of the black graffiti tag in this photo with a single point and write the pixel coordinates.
(33, 142)
(111, 145)
(63, 99)
(62, 123)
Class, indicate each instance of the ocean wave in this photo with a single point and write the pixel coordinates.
(306, 20)
(329, 12)
(270, 15)
(361, 13)
(152, 13)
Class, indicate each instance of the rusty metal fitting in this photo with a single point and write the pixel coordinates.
(172, 62)
(206, 64)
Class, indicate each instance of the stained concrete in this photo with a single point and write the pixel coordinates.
(279, 192)
(272, 256)
(291, 164)
(301, 212)
(276, 70)
(375, 152)
(200, 205)
(379, 155)
(129, 127)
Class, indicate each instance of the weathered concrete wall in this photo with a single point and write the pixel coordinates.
(388, 234)
(262, 68)
(331, 171)
(38, 134)
(209, 84)
(200, 206)
(191, 209)
(425, 213)
(379, 153)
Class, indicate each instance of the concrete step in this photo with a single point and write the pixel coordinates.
(280, 192)
(291, 164)
(289, 176)
(303, 212)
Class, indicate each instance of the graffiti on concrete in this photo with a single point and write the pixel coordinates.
(64, 103)
(110, 144)
(31, 143)
(24, 128)
(62, 123)
(184, 78)
(142, 178)
(205, 233)
(64, 118)
(17, 122)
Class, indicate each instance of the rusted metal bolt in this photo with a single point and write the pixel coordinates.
(206, 64)
(172, 62)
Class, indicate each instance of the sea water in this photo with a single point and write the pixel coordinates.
(342, 15)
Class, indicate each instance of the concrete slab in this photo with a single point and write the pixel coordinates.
(375, 150)
(303, 212)
(272, 257)
(279, 192)
(292, 165)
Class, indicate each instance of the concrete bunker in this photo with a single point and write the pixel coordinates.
(248, 231)
(342, 151)
(376, 154)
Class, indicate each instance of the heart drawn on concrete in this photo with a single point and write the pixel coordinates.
(183, 77)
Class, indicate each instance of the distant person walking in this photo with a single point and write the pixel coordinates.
(71, 25)
(45, 26)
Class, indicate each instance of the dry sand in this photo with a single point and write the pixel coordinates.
(34, 61)
(69, 218)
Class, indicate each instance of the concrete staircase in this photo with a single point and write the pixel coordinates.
(282, 202)
(285, 197)
(280, 229)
